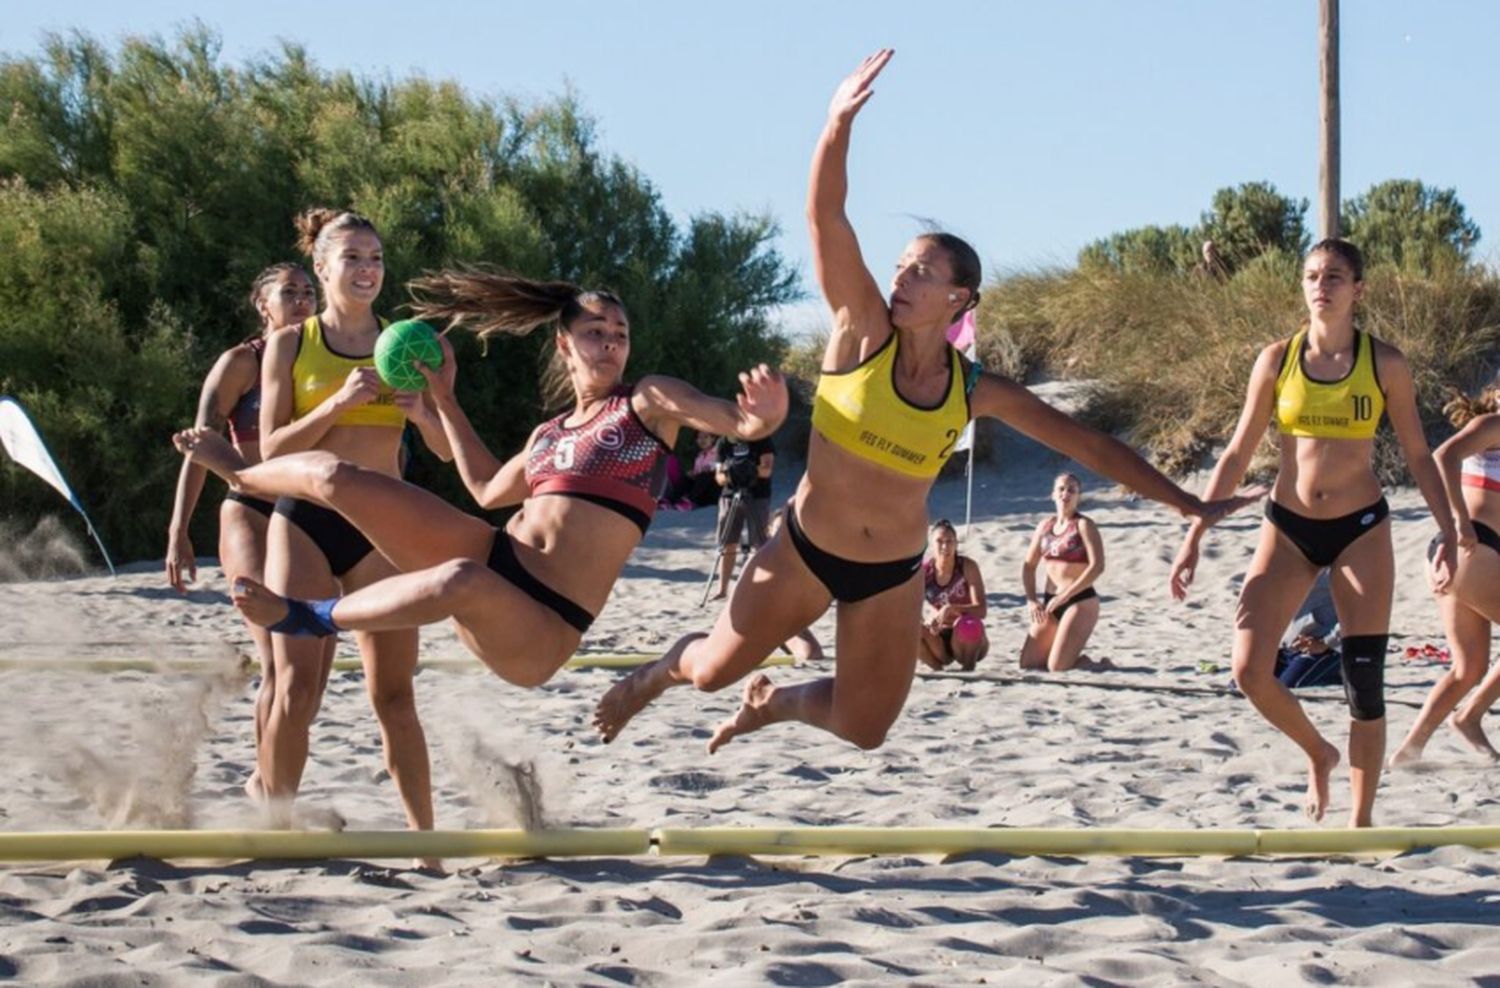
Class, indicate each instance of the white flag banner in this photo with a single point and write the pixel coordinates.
(19, 436)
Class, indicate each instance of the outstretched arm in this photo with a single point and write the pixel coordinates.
(859, 309)
(1001, 398)
(756, 412)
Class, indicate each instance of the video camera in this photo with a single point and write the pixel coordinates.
(741, 473)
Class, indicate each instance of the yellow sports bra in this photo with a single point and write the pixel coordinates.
(1349, 408)
(318, 373)
(859, 410)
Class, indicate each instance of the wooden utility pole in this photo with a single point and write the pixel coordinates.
(1328, 159)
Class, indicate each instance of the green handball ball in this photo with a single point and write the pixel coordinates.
(398, 345)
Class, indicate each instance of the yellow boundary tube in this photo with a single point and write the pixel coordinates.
(705, 841)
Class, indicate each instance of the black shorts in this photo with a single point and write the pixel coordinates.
(343, 545)
(255, 504)
(1087, 593)
(1323, 540)
(849, 581)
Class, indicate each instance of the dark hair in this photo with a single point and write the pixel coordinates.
(1344, 251)
(315, 226)
(946, 526)
(1071, 476)
(263, 281)
(1461, 407)
(967, 270)
(491, 303)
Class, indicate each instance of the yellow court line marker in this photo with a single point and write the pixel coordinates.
(705, 841)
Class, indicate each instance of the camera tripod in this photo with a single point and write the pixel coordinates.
(737, 504)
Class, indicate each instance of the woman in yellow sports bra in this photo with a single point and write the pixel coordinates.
(891, 403)
(319, 390)
(1326, 388)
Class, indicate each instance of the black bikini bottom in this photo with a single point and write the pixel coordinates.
(260, 507)
(1486, 534)
(503, 561)
(343, 545)
(849, 581)
(1087, 593)
(1323, 540)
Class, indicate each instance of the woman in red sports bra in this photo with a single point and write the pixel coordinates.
(1064, 615)
(281, 295)
(520, 597)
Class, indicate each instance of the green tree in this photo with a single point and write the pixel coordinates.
(145, 187)
(1412, 225)
(1252, 218)
(1144, 250)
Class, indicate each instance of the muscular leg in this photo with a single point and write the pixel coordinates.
(1469, 638)
(874, 666)
(411, 527)
(775, 597)
(390, 661)
(293, 566)
(1038, 643)
(1073, 631)
(1363, 580)
(1277, 581)
(242, 552)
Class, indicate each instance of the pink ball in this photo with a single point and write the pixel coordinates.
(968, 628)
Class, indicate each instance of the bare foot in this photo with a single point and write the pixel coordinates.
(259, 605)
(211, 451)
(754, 712)
(1474, 736)
(632, 694)
(1319, 770)
(253, 788)
(1409, 755)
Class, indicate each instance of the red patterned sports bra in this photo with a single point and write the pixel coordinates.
(956, 591)
(244, 418)
(1066, 546)
(611, 460)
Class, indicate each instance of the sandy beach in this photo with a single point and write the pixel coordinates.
(1155, 744)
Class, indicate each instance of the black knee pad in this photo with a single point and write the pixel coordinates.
(1363, 666)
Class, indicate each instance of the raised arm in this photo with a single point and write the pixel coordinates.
(1401, 408)
(858, 306)
(231, 376)
(665, 403)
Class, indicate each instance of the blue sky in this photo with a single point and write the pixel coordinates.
(1029, 128)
